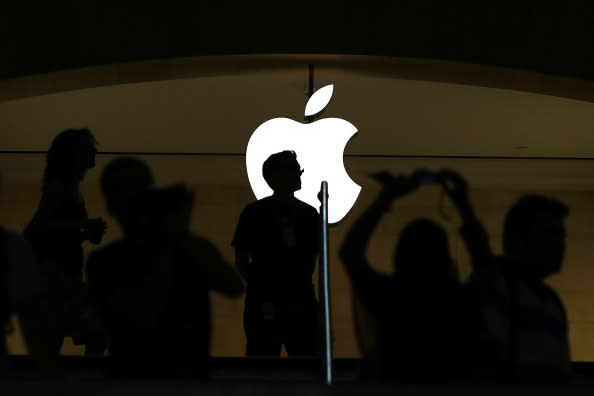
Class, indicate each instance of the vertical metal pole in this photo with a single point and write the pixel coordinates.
(324, 281)
(325, 287)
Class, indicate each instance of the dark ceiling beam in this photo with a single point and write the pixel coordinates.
(545, 36)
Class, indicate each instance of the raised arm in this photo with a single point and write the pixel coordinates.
(354, 247)
(222, 276)
(472, 231)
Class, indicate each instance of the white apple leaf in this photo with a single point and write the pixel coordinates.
(319, 100)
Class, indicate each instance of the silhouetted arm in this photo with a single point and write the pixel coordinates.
(45, 220)
(354, 247)
(474, 234)
(247, 227)
(222, 276)
(242, 260)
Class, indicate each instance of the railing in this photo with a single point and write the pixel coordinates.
(324, 285)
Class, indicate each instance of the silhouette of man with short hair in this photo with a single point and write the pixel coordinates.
(276, 245)
(153, 285)
(526, 318)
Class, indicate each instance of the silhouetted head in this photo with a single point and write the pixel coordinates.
(534, 236)
(282, 172)
(423, 253)
(71, 153)
(123, 182)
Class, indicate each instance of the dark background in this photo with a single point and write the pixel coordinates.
(553, 37)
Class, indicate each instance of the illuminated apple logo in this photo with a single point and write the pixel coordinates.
(319, 147)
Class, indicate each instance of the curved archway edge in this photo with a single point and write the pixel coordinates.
(376, 66)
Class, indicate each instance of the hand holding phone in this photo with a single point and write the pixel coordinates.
(455, 186)
(395, 186)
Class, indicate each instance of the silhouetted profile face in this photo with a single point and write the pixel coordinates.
(282, 172)
(534, 236)
(422, 254)
(87, 153)
(71, 153)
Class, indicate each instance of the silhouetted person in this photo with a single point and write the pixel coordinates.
(57, 230)
(153, 285)
(425, 329)
(527, 321)
(276, 245)
(20, 294)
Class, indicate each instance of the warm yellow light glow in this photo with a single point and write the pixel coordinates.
(319, 147)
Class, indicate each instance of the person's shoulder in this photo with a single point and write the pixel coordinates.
(306, 208)
(261, 205)
(251, 206)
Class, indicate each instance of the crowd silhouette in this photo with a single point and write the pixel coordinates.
(152, 286)
(145, 300)
(420, 310)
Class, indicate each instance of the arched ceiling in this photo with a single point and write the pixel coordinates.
(504, 79)
(480, 112)
(537, 134)
(552, 37)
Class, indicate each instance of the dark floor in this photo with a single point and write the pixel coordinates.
(242, 376)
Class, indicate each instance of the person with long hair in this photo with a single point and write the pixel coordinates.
(422, 325)
(60, 226)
